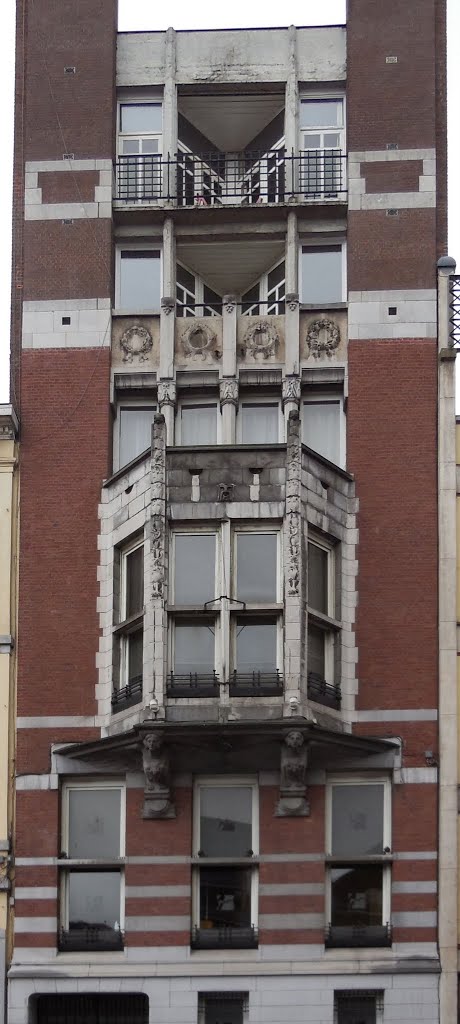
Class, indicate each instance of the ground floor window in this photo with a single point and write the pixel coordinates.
(113, 1008)
(358, 1008)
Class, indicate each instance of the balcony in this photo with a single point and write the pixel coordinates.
(324, 693)
(225, 937)
(357, 936)
(95, 938)
(193, 684)
(241, 179)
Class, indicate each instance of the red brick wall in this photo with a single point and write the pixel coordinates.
(387, 251)
(67, 261)
(65, 451)
(68, 186)
(391, 175)
(391, 422)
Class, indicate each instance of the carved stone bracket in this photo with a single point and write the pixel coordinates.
(293, 800)
(323, 337)
(292, 301)
(291, 389)
(229, 303)
(198, 340)
(157, 775)
(167, 304)
(136, 342)
(261, 340)
(228, 390)
(167, 392)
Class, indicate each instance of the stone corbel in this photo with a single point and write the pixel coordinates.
(166, 392)
(292, 301)
(291, 389)
(293, 802)
(167, 304)
(158, 802)
(228, 391)
(229, 302)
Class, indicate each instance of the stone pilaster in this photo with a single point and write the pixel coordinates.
(156, 582)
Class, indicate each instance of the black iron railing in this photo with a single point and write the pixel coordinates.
(213, 179)
(328, 694)
(225, 937)
(127, 695)
(454, 310)
(357, 936)
(255, 684)
(192, 684)
(98, 938)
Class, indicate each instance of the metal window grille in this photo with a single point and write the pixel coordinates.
(73, 1008)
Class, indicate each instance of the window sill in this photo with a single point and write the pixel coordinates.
(135, 312)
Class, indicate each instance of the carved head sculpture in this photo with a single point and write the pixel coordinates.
(294, 739)
(153, 743)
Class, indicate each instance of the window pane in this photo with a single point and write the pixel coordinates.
(140, 118)
(134, 582)
(320, 113)
(256, 556)
(135, 432)
(193, 649)
(223, 1011)
(94, 898)
(135, 656)
(322, 274)
(255, 646)
(140, 279)
(199, 424)
(259, 423)
(356, 896)
(276, 276)
(194, 568)
(225, 897)
(185, 279)
(357, 820)
(318, 578)
(316, 651)
(94, 823)
(226, 821)
(321, 428)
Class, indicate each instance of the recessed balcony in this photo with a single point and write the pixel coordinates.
(238, 179)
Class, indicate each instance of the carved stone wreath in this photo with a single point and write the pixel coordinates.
(136, 342)
(323, 336)
(261, 339)
(198, 341)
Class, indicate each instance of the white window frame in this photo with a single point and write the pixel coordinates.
(323, 620)
(321, 396)
(227, 781)
(324, 95)
(199, 302)
(360, 780)
(262, 282)
(135, 247)
(323, 243)
(258, 529)
(127, 403)
(190, 400)
(139, 101)
(250, 399)
(110, 863)
(127, 549)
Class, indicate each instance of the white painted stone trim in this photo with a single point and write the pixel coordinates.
(395, 715)
(377, 155)
(391, 200)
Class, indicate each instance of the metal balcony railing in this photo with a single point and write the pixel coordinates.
(127, 695)
(192, 684)
(454, 310)
(357, 936)
(328, 694)
(256, 684)
(98, 938)
(225, 937)
(246, 179)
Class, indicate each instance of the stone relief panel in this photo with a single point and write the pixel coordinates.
(323, 337)
(260, 340)
(198, 341)
(135, 343)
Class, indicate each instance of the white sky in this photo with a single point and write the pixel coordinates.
(142, 14)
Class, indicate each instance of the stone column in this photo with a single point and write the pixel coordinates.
(292, 320)
(228, 391)
(291, 115)
(170, 119)
(168, 302)
(167, 405)
(291, 396)
(156, 573)
(293, 569)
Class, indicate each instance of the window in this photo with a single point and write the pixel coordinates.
(322, 167)
(323, 425)
(358, 1007)
(225, 895)
(225, 613)
(322, 625)
(129, 633)
(139, 147)
(259, 422)
(322, 274)
(194, 297)
(222, 1007)
(91, 886)
(138, 280)
(267, 294)
(358, 878)
(86, 1007)
(198, 423)
(133, 431)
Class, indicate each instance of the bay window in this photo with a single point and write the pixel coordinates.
(225, 875)
(359, 875)
(92, 880)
